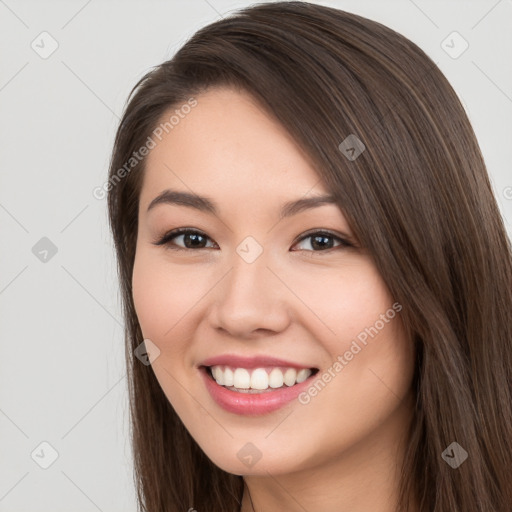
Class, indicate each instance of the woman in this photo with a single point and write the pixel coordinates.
(316, 279)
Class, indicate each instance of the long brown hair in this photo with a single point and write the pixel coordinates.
(418, 197)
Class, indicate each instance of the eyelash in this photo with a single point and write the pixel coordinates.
(167, 237)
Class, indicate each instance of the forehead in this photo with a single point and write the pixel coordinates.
(228, 144)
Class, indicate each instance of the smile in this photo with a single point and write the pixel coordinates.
(254, 380)
(273, 387)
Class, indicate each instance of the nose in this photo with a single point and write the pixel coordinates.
(250, 301)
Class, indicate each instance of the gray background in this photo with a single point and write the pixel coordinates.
(62, 376)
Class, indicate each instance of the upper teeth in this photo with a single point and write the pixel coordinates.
(258, 378)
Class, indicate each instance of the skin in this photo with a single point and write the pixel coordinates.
(341, 451)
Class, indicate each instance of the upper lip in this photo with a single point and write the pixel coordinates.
(236, 361)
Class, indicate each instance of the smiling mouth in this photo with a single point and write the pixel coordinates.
(258, 380)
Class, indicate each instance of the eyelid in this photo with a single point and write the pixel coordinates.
(173, 233)
(345, 241)
(321, 231)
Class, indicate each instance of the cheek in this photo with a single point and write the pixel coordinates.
(354, 317)
(340, 302)
(162, 294)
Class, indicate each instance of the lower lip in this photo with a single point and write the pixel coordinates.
(252, 403)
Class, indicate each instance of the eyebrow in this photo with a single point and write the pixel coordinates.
(207, 205)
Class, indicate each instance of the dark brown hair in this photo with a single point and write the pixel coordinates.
(418, 197)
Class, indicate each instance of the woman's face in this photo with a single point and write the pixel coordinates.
(265, 292)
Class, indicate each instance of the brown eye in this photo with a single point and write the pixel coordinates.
(321, 241)
(190, 238)
(193, 240)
